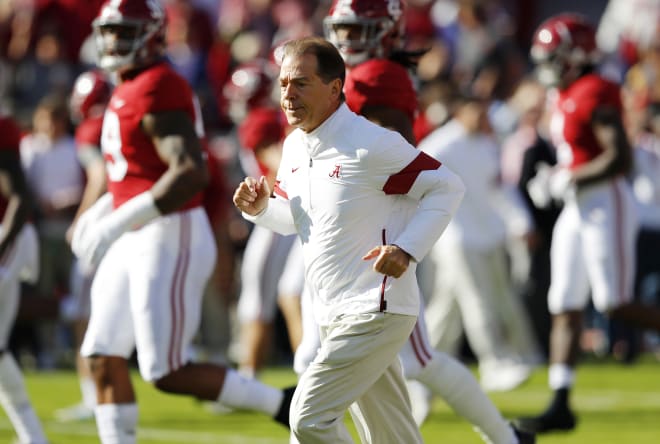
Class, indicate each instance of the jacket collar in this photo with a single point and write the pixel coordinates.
(315, 140)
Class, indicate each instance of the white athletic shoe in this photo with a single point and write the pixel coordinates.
(76, 412)
(217, 408)
(504, 377)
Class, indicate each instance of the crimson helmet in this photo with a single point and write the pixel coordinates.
(91, 92)
(250, 85)
(562, 47)
(376, 28)
(129, 33)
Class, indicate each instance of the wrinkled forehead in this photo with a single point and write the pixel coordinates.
(298, 65)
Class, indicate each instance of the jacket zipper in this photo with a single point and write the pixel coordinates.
(383, 302)
(309, 182)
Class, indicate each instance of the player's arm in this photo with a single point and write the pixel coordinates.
(173, 134)
(14, 189)
(616, 157)
(91, 159)
(390, 118)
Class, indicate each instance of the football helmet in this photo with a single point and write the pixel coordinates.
(364, 29)
(562, 47)
(91, 93)
(129, 33)
(250, 85)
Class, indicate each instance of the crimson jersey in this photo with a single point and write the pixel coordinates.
(89, 132)
(132, 162)
(380, 82)
(10, 137)
(570, 124)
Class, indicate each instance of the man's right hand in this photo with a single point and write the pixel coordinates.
(251, 196)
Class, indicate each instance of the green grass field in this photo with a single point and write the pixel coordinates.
(617, 404)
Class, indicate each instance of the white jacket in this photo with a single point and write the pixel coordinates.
(347, 187)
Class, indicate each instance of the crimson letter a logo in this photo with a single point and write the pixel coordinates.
(335, 172)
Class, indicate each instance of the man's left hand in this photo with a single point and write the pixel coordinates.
(390, 260)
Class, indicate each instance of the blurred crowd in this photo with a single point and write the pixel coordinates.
(466, 48)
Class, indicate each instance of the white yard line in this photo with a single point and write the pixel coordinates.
(154, 434)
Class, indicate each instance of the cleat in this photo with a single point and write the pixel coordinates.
(505, 377)
(217, 408)
(282, 415)
(523, 436)
(77, 412)
(547, 422)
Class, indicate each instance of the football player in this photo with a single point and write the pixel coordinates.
(593, 242)
(149, 235)
(19, 260)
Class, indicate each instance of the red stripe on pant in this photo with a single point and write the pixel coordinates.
(177, 290)
(419, 346)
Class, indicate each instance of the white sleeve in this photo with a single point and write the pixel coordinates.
(276, 217)
(439, 193)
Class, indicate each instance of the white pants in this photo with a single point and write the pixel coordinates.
(593, 246)
(356, 367)
(472, 290)
(147, 293)
(263, 265)
(414, 355)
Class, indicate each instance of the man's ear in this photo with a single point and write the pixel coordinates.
(337, 87)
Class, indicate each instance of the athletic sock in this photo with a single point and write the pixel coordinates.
(250, 394)
(420, 400)
(117, 423)
(453, 382)
(88, 390)
(560, 378)
(15, 401)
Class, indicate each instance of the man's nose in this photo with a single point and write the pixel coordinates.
(288, 91)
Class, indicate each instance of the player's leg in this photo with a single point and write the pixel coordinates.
(356, 351)
(166, 288)
(289, 290)
(76, 310)
(260, 272)
(109, 343)
(567, 297)
(13, 394)
(16, 403)
(449, 379)
(20, 262)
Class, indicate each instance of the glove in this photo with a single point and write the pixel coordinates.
(549, 183)
(538, 186)
(101, 208)
(560, 184)
(92, 244)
